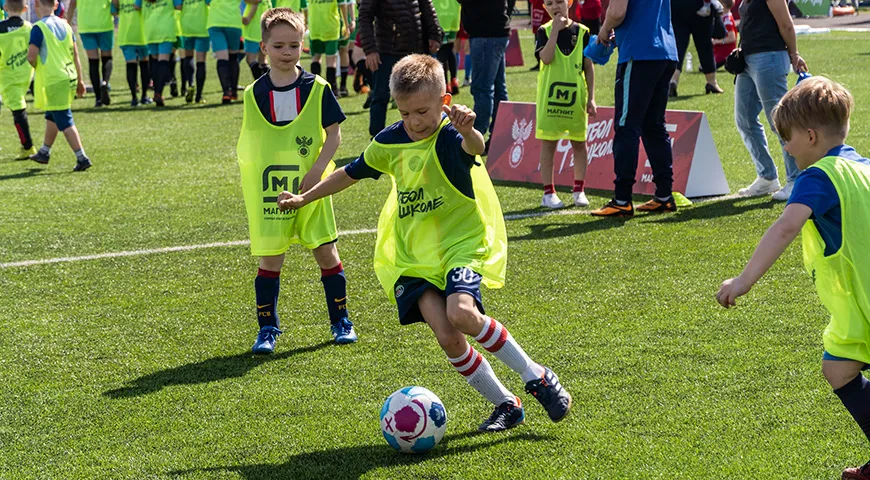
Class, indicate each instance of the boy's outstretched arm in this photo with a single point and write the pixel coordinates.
(334, 183)
(330, 146)
(462, 119)
(772, 244)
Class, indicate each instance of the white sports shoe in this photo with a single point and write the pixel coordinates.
(759, 187)
(580, 199)
(551, 200)
(783, 193)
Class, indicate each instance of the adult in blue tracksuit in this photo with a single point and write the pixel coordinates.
(647, 60)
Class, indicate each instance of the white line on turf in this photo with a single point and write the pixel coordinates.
(237, 243)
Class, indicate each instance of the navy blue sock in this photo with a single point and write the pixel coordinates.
(267, 284)
(335, 288)
(855, 396)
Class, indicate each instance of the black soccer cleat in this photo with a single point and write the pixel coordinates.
(41, 158)
(82, 165)
(505, 416)
(549, 392)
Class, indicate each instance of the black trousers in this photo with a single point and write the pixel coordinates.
(641, 100)
(686, 23)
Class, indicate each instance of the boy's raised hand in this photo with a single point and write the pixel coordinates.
(730, 290)
(288, 201)
(461, 117)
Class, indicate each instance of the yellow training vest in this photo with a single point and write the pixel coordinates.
(324, 20)
(95, 16)
(225, 13)
(294, 5)
(56, 78)
(561, 101)
(448, 14)
(427, 227)
(273, 159)
(159, 20)
(131, 30)
(15, 72)
(252, 31)
(843, 279)
(194, 18)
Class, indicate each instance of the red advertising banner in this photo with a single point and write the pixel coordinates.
(513, 56)
(514, 153)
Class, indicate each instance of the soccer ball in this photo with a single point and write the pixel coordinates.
(413, 420)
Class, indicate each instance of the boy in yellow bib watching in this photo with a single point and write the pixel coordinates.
(566, 95)
(828, 207)
(15, 72)
(290, 132)
(52, 52)
(97, 29)
(441, 234)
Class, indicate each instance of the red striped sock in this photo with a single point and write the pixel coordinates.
(495, 338)
(578, 185)
(548, 189)
(478, 373)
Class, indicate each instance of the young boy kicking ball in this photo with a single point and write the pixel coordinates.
(290, 132)
(441, 234)
(834, 192)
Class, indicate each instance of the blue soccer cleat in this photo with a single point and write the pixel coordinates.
(549, 392)
(505, 416)
(342, 331)
(266, 340)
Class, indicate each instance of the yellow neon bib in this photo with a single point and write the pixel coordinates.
(562, 95)
(15, 72)
(56, 78)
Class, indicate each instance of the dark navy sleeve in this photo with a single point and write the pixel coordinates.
(540, 39)
(359, 169)
(36, 37)
(455, 161)
(814, 189)
(330, 110)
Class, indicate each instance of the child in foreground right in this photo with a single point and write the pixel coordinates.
(440, 234)
(834, 192)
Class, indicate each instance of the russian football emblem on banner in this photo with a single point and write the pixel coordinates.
(521, 131)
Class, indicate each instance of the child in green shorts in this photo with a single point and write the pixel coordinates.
(323, 18)
(194, 42)
(441, 234)
(53, 53)
(97, 29)
(829, 208)
(566, 95)
(290, 132)
(15, 72)
(254, 10)
(131, 38)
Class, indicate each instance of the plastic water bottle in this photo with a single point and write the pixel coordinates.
(689, 67)
(802, 76)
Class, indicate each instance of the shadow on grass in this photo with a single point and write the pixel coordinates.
(30, 172)
(354, 462)
(717, 209)
(211, 370)
(566, 229)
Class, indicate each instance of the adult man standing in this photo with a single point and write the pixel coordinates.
(488, 23)
(647, 60)
(389, 30)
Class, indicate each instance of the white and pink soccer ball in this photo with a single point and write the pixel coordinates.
(413, 420)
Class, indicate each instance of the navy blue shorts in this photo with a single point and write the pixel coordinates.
(62, 118)
(828, 356)
(409, 290)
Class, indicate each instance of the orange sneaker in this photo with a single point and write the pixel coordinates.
(454, 86)
(655, 205)
(857, 473)
(613, 209)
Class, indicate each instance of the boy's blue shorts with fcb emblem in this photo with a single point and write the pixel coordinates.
(197, 44)
(408, 291)
(98, 41)
(828, 356)
(134, 52)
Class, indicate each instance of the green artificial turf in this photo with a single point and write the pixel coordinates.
(139, 367)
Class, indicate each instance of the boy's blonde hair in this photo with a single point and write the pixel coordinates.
(817, 103)
(281, 16)
(417, 73)
(15, 6)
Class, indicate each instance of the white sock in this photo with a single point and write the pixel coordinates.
(80, 154)
(496, 339)
(478, 373)
(45, 149)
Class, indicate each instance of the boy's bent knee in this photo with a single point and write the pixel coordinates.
(840, 372)
(463, 316)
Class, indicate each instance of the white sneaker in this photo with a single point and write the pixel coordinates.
(704, 11)
(759, 187)
(783, 193)
(580, 199)
(551, 200)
